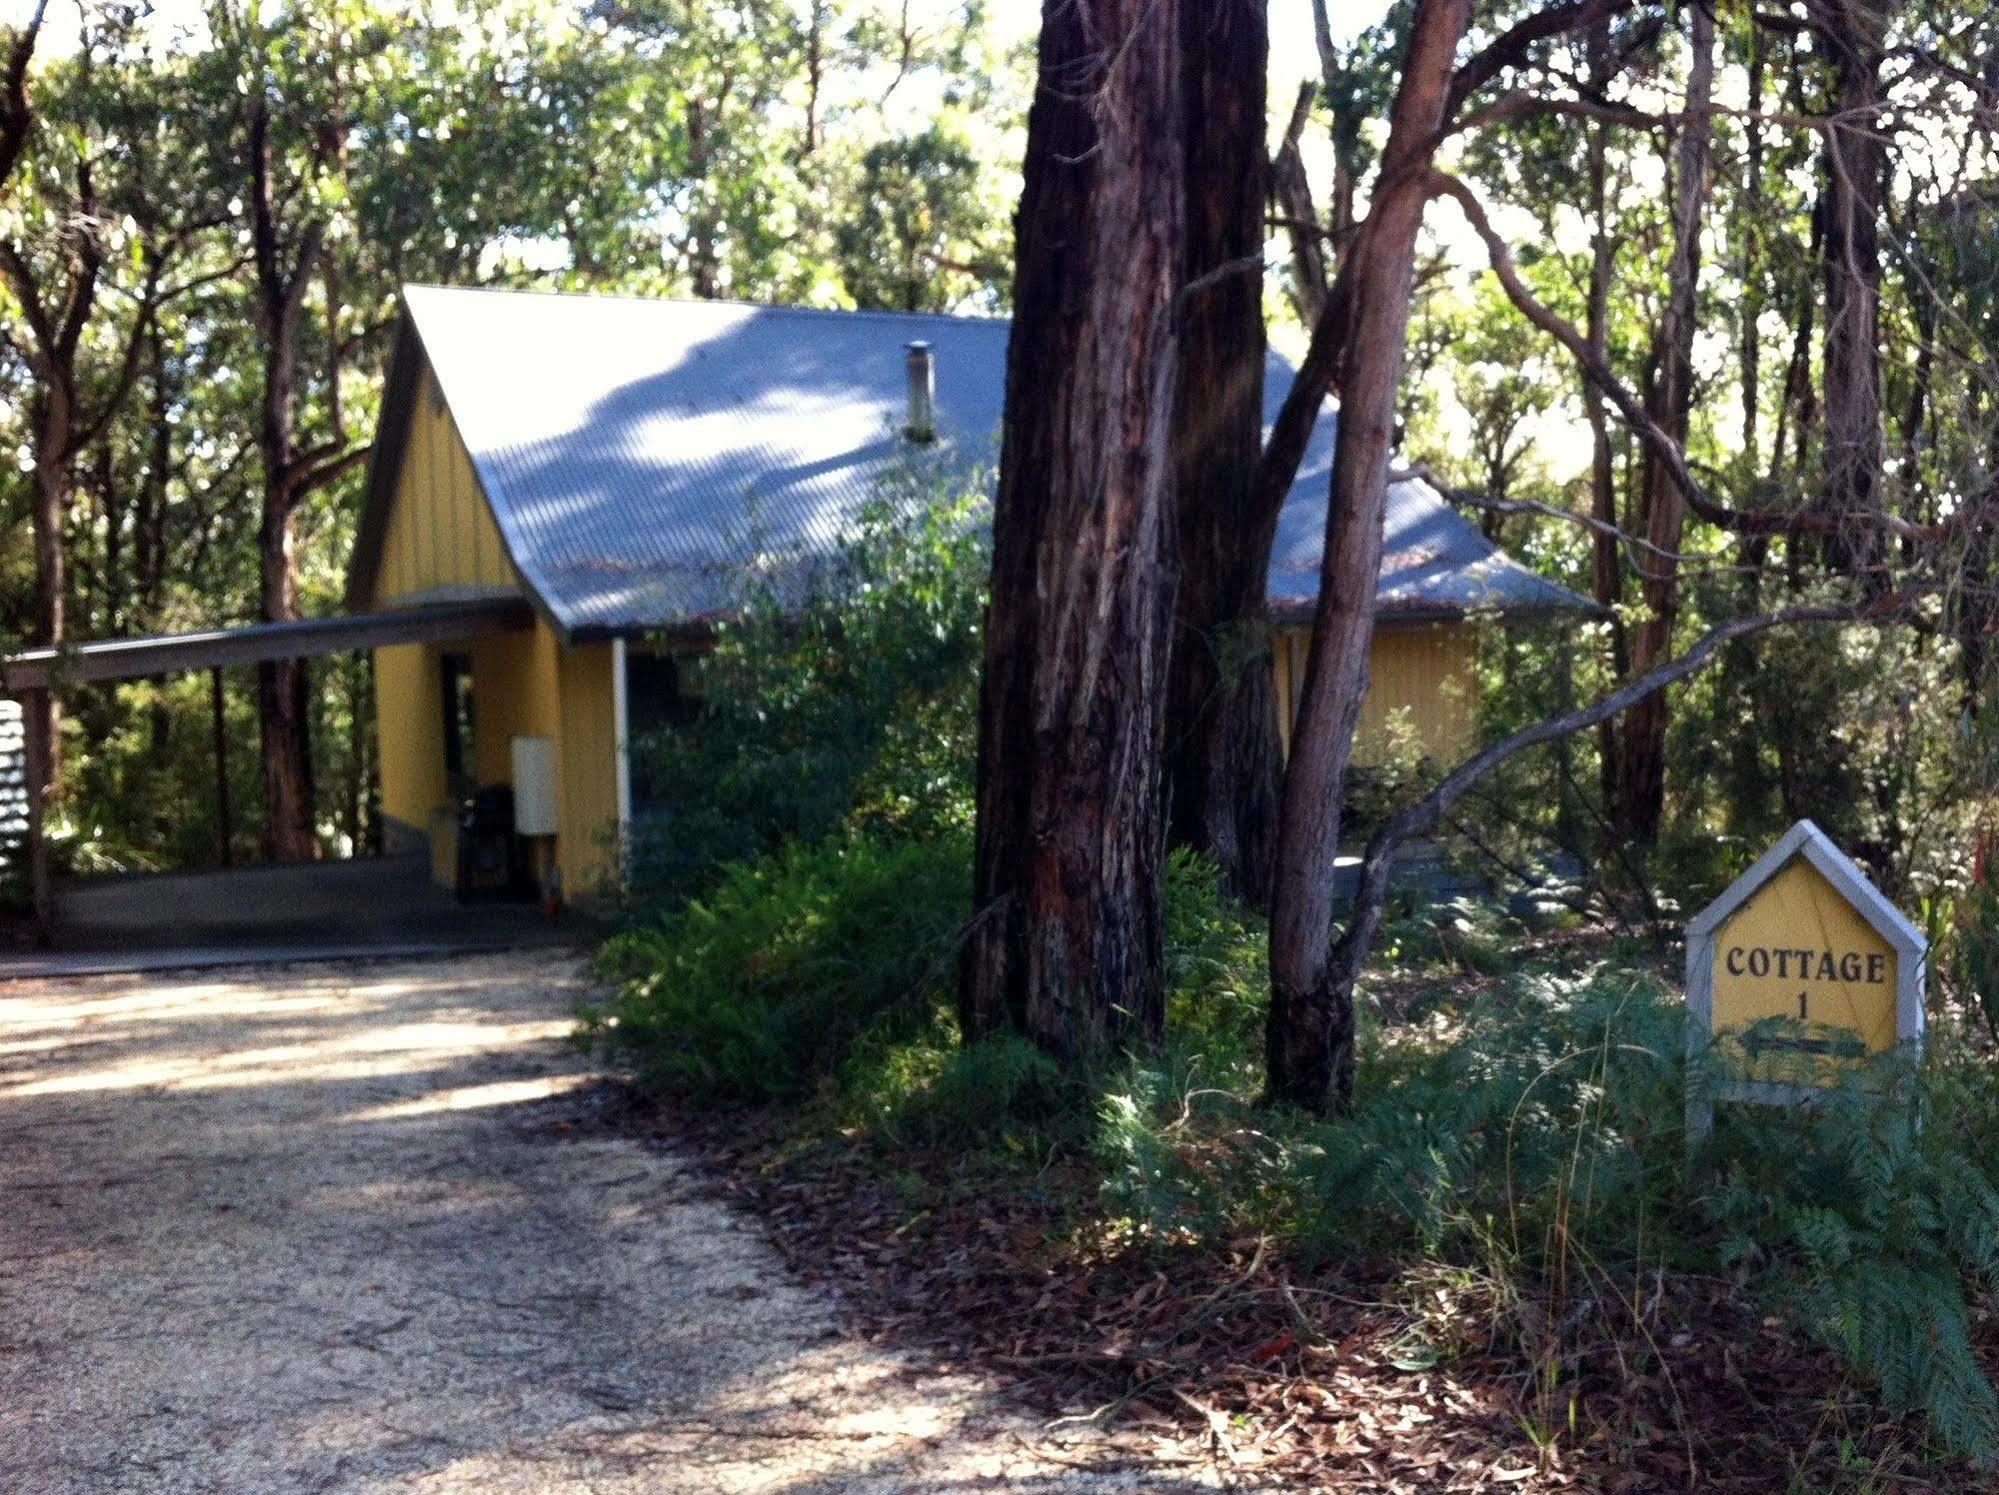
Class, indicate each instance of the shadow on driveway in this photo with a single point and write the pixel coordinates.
(379, 906)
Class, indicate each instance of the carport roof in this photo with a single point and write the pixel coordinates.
(253, 643)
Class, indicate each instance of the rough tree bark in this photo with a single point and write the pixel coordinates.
(1222, 757)
(16, 116)
(1642, 776)
(282, 705)
(1066, 942)
(1856, 157)
(1310, 1032)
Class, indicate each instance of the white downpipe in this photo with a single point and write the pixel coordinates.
(621, 721)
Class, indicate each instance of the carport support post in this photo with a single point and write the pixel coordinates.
(224, 831)
(35, 719)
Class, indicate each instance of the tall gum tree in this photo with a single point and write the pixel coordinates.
(1310, 1031)
(1222, 756)
(1065, 944)
(297, 107)
(1856, 157)
(1641, 783)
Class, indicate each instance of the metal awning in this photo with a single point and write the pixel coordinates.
(37, 675)
(254, 643)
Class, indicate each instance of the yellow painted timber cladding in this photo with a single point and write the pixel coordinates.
(1799, 950)
(1423, 681)
(409, 732)
(587, 765)
(441, 538)
(523, 685)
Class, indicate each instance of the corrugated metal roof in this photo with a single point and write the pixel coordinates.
(640, 454)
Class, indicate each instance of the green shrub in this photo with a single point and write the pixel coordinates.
(759, 989)
(1869, 1214)
(853, 704)
(1000, 1094)
(1973, 951)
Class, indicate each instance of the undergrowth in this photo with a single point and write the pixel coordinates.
(1533, 1136)
(1518, 1127)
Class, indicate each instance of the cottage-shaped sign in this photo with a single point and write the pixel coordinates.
(1803, 936)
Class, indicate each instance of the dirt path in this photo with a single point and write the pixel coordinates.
(331, 1228)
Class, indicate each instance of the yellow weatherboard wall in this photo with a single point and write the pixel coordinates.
(441, 537)
(409, 722)
(1424, 678)
(588, 763)
(1798, 950)
(441, 540)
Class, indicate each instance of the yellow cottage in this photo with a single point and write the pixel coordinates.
(602, 472)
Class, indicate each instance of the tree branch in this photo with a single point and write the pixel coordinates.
(1424, 815)
(16, 117)
(334, 467)
(1292, 191)
(1703, 503)
(1511, 49)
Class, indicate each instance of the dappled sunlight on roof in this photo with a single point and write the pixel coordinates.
(663, 449)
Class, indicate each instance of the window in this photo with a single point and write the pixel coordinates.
(659, 696)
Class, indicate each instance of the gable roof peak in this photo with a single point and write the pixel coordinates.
(1806, 841)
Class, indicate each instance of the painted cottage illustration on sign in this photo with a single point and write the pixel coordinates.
(1804, 938)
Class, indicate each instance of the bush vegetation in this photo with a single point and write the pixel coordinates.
(1520, 1122)
(835, 699)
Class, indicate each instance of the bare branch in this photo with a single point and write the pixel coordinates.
(1423, 816)
(1703, 503)
(1227, 270)
(1291, 190)
(332, 468)
(1511, 49)
(1522, 103)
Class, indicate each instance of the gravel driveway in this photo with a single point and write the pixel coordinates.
(334, 1227)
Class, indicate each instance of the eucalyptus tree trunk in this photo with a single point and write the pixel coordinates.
(1222, 758)
(1310, 1033)
(1607, 568)
(1642, 777)
(1065, 943)
(1855, 179)
(282, 705)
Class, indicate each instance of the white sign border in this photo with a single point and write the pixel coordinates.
(1911, 966)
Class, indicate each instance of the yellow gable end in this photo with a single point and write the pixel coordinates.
(441, 539)
(1797, 949)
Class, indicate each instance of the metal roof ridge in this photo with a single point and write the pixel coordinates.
(881, 313)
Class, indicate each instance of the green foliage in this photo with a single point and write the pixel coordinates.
(1870, 1212)
(759, 989)
(999, 1095)
(1537, 1134)
(913, 235)
(851, 704)
(1974, 952)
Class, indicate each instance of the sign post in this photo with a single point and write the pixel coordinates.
(1803, 936)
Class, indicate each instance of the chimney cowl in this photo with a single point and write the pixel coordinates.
(920, 423)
